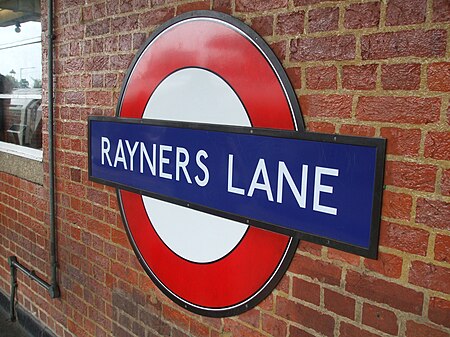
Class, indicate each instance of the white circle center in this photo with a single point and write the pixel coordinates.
(195, 95)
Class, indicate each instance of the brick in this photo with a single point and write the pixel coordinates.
(339, 106)
(359, 77)
(294, 74)
(341, 47)
(339, 303)
(445, 183)
(306, 291)
(291, 23)
(99, 27)
(381, 291)
(419, 177)
(414, 110)
(238, 329)
(322, 127)
(311, 248)
(279, 48)
(348, 330)
(259, 5)
(193, 6)
(437, 145)
(439, 311)
(405, 76)
(339, 255)
(357, 130)
(402, 142)
(420, 43)
(198, 329)
(296, 332)
(380, 319)
(180, 319)
(414, 329)
(401, 12)
(441, 10)
(306, 316)
(321, 78)
(387, 264)
(251, 317)
(396, 205)
(222, 6)
(442, 248)
(363, 15)
(323, 19)
(433, 213)
(263, 25)
(429, 276)
(275, 327)
(439, 76)
(99, 98)
(316, 269)
(155, 17)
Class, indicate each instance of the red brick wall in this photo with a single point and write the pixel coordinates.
(363, 68)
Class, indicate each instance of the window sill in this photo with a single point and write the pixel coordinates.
(22, 162)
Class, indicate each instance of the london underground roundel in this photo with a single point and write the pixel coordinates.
(207, 67)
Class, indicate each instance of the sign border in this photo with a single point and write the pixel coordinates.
(378, 143)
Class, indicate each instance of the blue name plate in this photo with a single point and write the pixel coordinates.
(317, 187)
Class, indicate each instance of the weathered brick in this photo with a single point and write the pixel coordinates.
(404, 76)
(357, 130)
(316, 269)
(380, 318)
(259, 5)
(414, 110)
(437, 145)
(237, 329)
(386, 264)
(341, 47)
(339, 303)
(433, 213)
(348, 330)
(414, 329)
(439, 76)
(429, 276)
(405, 12)
(326, 105)
(442, 248)
(306, 291)
(321, 77)
(402, 142)
(323, 19)
(294, 75)
(296, 332)
(263, 25)
(291, 23)
(99, 27)
(193, 6)
(251, 317)
(381, 291)
(306, 316)
(155, 17)
(439, 311)
(420, 43)
(396, 205)
(445, 183)
(420, 177)
(274, 326)
(359, 77)
(322, 127)
(176, 316)
(222, 6)
(441, 10)
(339, 255)
(363, 15)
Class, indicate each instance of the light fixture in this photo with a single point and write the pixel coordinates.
(17, 30)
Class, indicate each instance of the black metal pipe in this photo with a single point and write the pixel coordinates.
(54, 292)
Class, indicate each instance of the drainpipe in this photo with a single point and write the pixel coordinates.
(15, 265)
